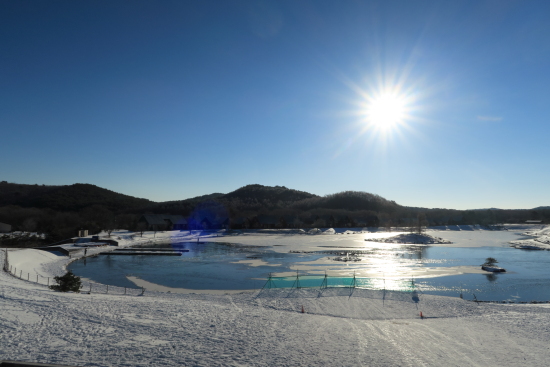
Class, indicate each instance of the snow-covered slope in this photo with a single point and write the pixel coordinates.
(338, 328)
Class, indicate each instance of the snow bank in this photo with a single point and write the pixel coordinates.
(30, 261)
(411, 238)
(280, 231)
(540, 242)
(539, 230)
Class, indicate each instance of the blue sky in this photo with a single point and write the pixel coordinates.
(173, 99)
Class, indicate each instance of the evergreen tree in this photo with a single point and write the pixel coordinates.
(67, 283)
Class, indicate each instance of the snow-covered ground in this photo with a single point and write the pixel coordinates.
(540, 240)
(369, 328)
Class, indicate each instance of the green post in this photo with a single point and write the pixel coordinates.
(297, 281)
(324, 285)
(269, 284)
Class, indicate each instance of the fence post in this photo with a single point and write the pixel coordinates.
(325, 281)
(297, 281)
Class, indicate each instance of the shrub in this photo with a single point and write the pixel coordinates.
(67, 283)
(490, 261)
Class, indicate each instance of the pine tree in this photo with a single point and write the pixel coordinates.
(67, 283)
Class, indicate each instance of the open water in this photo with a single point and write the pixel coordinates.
(216, 266)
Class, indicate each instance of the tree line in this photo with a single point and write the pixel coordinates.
(59, 212)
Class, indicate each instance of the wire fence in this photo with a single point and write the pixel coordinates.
(86, 287)
(323, 282)
(400, 289)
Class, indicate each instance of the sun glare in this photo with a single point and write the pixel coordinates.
(386, 110)
(383, 113)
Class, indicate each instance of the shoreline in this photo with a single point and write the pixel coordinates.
(153, 287)
(47, 264)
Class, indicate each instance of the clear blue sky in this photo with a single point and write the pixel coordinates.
(172, 99)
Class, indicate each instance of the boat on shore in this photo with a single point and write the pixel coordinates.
(493, 268)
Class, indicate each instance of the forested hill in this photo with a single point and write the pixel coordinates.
(249, 198)
(259, 198)
(67, 198)
(349, 200)
(262, 193)
(260, 206)
(61, 210)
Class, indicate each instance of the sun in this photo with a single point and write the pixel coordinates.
(386, 110)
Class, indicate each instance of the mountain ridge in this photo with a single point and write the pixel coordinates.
(64, 209)
(66, 197)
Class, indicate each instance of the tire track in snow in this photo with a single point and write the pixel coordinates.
(233, 303)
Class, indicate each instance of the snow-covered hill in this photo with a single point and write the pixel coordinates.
(338, 328)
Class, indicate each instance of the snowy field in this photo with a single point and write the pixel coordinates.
(338, 328)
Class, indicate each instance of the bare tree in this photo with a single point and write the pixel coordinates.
(421, 222)
(141, 227)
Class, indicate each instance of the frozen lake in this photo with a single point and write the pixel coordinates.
(244, 261)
